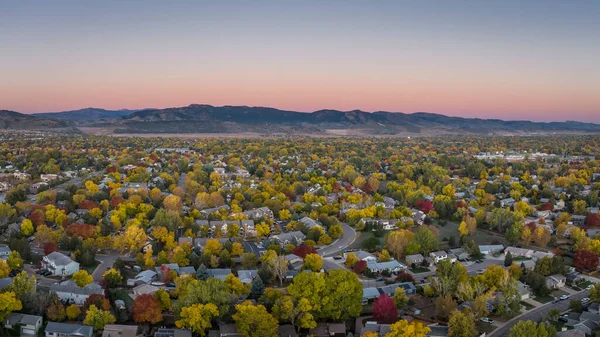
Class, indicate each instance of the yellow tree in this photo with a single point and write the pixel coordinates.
(82, 278)
(98, 318)
(404, 329)
(462, 229)
(26, 227)
(4, 269)
(197, 317)
(213, 247)
(397, 241)
(313, 262)
(8, 304)
(132, 239)
(285, 214)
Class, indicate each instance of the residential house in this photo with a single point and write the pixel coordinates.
(295, 262)
(190, 270)
(329, 330)
(578, 220)
(556, 281)
(573, 277)
(539, 255)
(220, 273)
(5, 282)
(22, 175)
(439, 256)
(380, 329)
(48, 177)
(34, 188)
(144, 277)
(118, 330)
(570, 333)
(392, 266)
(4, 252)
(310, 223)
(460, 253)
(519, 252)
(287, 330)
(437, 330)
(389, 290)
(293, 237)
(69, 292)
(165, 332)
(225, 330)
(29, 324)
(54, 329)
(144, 289)
(248, 227)
(247, 276)
(528, 265)
(508, 202)
(59, 264)
(417, 259)
(365, 256)
(523, 290)
(369, 295)
(258, 213)
(490, 249)
(167, 266)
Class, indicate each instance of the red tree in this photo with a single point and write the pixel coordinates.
(532, 225)
(547, 207)
(360, 266)
(405, 277)
(384, 310)
(98, 300)
(461, 204)
(585, 260)
(146, 309)
(424, 205)
(164, 271)
(37, 217)
(115, 201)
(49, 247)
(88, 204)
(82, 230)
(304, 250)
(592, 220)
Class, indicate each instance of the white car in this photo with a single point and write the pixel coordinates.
(589, 287)
(564, 297)
(486, 320)
(585, 300)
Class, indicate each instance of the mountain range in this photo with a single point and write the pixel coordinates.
(198, 118)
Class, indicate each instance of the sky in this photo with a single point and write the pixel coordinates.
(517, 60)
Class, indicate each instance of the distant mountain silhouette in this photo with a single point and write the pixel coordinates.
(86, 114)
(12, 120)
(201, 118)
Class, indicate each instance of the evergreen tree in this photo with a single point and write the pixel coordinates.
(257, 289)
(201, 273)
(508, 260)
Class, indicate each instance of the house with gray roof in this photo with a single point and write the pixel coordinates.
(54, 329)
(370, 294)
(257, 213)
(4, 252)
(293, 237)
(247, 276)
(59, 264)
(29, 324)
(220, 273)
(68, 292)
(417, 259)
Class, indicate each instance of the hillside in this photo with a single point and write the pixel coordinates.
(11, 120)
(86, 114)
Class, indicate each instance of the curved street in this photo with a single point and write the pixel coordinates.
(341, 243)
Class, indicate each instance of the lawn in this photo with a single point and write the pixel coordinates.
(521, 258)
(527, 305)
(90, 269)
(544, 299)
(484, 327)
(419, 270)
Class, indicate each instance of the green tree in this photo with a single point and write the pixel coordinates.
(313, 262)
(532, 329)
(400, 298)
(112, 278)
(298, 313)
(14, 260)
(508, 260)
(254, 321)
(256, 289)
(427, 240)
(23, 285)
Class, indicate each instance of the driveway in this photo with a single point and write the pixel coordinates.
(341, 243)
(537, 314)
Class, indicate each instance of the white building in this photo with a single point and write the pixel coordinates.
(59, 264)
(69, 292)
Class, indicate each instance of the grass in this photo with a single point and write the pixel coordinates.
(484, 327)
(419, 270)
(527, 305)
(92, 268)
(521, 258)
(544, 299)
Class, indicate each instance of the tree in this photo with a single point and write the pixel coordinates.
(82, 278)
(73, 311)
(371, 243)
(313, 262)
(197, 317)
(541, 236)
(98, 318)
(237, 249)
(537, 283)
(400, 298)
(444, 306)
(276, 264)
(97, 300)
(530, 329)
(56, 310)
(576, 306)
(4, 269)
(553, 314)
(14, 260)
(462, 229)
(22, 285)
(298, 313)
(384, 310)
(235, 285)
(585, 260)
(344, 291)
(8, 304)
(360, 266)
(579, 207)
(256, 289)
(404, 329)
(595, 293)
(163, 298)
(461, 324)
(146, 309)
(213, 247)
(508, 261)
(351, 259)
(515, 271)
(495, 277)
(480, 306)
(397, 241)
(254, 321)
(426, 239)
(132, 239)
(26, 227)
(112, 278)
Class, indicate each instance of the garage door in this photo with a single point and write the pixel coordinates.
(28, 332)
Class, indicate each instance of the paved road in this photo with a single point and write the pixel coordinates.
(340, 244)
(472, 268)
(538, 314)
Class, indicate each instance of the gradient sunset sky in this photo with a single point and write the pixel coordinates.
(509, 59)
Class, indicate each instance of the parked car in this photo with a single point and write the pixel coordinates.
(589, 287)
(486, 320)
(563, 319)
(585, 300)
(564, 297)
(337, 257)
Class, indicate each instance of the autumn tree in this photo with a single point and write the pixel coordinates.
(197, 317)
(27, 227)
(14, 260)
(297, 312)
(254, 321)
(461, 324)
(56, 310)
(22, 285)
(163, 298)
(112, 278)
(585, 260)
(400, 298)
(384, 310)
(98, 318)
(404, 329)
(146, 309)
(397, 242)
(444, 306)
(529, 329)
(82, 278)
(313, 262)
(8, 303)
